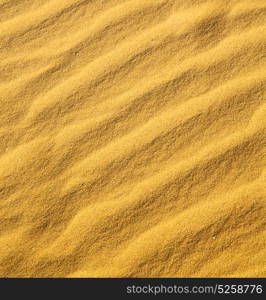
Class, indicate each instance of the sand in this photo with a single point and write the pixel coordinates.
(132, 138)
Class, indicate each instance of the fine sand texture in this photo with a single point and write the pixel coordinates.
(132, 138)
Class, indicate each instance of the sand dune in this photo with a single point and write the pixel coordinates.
(132, 138)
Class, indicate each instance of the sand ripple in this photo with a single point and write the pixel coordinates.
(132, 138)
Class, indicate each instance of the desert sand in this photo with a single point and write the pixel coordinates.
(132, 138)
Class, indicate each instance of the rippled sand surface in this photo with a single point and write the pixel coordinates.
(132, 138)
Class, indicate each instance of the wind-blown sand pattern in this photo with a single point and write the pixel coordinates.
(132, 138)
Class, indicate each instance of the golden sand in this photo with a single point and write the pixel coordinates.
(132, 138)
